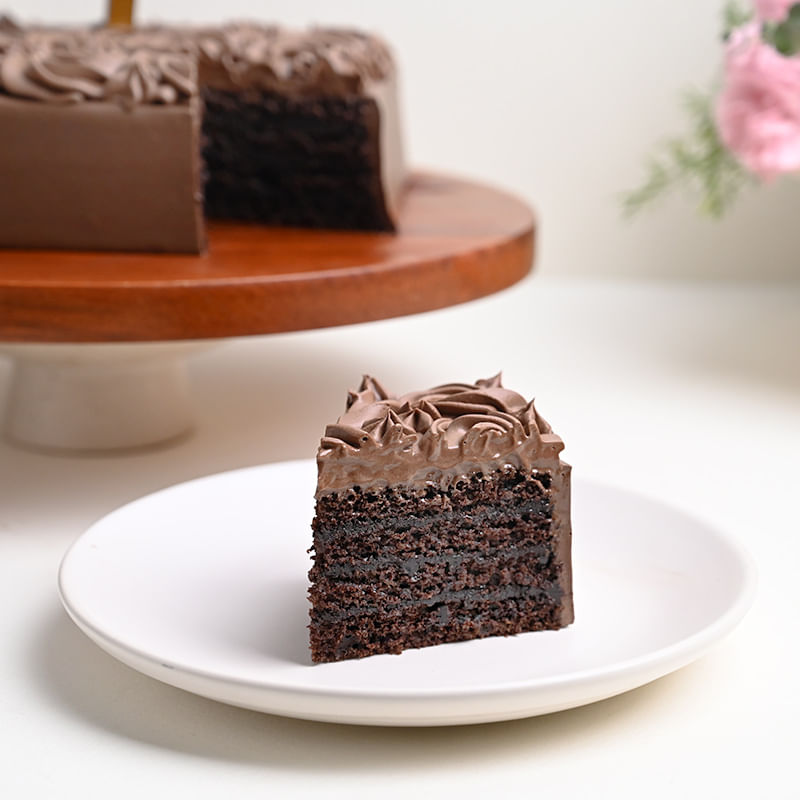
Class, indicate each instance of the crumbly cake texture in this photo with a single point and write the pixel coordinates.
(441, 516)
(298, 162)
(125, 139)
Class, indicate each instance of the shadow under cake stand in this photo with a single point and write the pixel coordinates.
(98, 341)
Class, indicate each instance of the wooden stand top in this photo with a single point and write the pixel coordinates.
(456, 241)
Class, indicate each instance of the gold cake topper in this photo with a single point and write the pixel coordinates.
(120, 13)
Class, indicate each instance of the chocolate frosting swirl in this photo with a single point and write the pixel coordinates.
(437, 435)
(76, 66)
(159, 65)
(319, 59)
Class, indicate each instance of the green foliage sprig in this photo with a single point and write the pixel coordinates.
(734, 16)
(699, 162)
(784, 36)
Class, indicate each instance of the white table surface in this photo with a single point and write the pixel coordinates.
(690, 394)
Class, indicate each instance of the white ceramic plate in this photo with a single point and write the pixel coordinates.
(203, 586)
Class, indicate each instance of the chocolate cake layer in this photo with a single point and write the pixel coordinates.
(466, 598)
(424, 625)
(389, 586)
(486, 531)
(506, 486)
(415, 561)
(293, 161)
(435, 539)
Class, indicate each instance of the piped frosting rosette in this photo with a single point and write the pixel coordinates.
(313, 56)
(159, 64)
(78, 66)
(438, 434)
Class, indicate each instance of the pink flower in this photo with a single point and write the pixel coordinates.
(758, 112)
(775, 10)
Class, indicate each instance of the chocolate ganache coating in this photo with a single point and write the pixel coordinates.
(434, 436)
(163, 65)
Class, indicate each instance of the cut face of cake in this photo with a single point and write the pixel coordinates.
(125, 139)
(441, 516)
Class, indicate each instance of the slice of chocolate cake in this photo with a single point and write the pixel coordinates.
(441, 516)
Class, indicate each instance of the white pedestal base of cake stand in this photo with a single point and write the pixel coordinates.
(98, 396)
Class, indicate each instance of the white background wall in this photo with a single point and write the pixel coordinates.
(559, 101)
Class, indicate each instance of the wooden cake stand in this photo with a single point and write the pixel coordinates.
(98, 340)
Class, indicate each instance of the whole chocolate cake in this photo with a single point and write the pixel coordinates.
(441, 515)
(124, 139)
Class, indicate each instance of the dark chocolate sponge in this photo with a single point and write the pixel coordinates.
(292, 161)
(411, 569)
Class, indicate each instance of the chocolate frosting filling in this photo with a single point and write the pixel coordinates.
(434, 436)
(162, 65)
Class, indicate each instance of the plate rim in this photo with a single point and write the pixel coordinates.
(657, 663)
